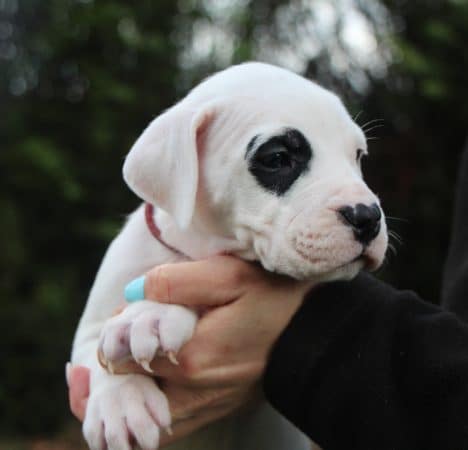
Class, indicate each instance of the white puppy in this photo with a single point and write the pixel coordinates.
(257, 162)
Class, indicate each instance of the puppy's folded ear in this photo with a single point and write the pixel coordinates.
(162, 165)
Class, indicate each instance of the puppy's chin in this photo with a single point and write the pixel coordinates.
(345, 272)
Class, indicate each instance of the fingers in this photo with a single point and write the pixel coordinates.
(193, 408)
(78, 392)
(187, 426)
(211, 282)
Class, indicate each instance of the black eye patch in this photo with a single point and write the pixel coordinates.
(278, 162)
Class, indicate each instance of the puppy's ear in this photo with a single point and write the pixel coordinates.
(162, 165)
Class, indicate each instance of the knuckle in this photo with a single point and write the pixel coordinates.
(157, 283)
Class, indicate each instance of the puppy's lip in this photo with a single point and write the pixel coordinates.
(371, 263)
(359, 257)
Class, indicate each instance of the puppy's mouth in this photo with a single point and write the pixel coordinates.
(365, 257)
(361, 258)
(369, 262)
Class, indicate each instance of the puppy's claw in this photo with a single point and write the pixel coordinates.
(146, 365)
(110, 367)
(101, 359)
(172, 358)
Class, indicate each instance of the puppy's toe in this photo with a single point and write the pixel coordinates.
(144, 422)
(176, 327)
(144, 329)
(158, 407)
(158, 328)
(93, 429)
(144, 340)
(116, 434)
(145, 433)
(114, 344)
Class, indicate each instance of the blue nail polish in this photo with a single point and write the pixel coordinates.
(135, 290)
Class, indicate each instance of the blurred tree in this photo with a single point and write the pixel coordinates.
(424, 101)
(80, 79)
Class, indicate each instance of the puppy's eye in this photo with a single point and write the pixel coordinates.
(280, 160)
(275, 160)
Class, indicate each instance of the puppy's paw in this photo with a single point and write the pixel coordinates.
(143, 330)
(125, 410)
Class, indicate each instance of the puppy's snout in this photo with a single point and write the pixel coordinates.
(365, 220)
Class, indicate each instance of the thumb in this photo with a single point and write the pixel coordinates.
(78, 390)
(210, 282)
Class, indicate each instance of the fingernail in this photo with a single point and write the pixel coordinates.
(67, 373)
(135, 290)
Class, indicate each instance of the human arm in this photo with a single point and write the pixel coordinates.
(455, 282)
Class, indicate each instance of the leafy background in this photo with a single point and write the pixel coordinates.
(79, 79)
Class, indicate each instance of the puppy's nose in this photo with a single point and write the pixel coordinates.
(365, 221)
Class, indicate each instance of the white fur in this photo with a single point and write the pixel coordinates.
(190, 163)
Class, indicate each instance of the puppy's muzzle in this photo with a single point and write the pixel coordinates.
(363, 219)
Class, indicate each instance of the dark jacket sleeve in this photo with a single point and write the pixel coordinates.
(455, 283)
(367, 367)
(363, 366)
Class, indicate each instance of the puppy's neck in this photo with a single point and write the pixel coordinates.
(193, 242)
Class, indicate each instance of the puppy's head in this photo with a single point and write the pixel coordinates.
(263, 156)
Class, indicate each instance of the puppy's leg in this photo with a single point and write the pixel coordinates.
(122, 409)
(127, 409)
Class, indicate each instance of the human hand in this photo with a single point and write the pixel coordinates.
(220, 367)
(245, 310)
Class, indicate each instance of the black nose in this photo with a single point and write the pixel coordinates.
(365, 221)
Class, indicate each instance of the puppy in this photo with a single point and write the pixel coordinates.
(257, 162)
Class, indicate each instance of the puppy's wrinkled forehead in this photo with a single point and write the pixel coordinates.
(288, 100)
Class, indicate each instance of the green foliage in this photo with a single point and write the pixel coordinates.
(87, 78)
(424, 100)
(80, 79)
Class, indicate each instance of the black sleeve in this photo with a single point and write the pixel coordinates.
(455, 285)
(363, 366)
